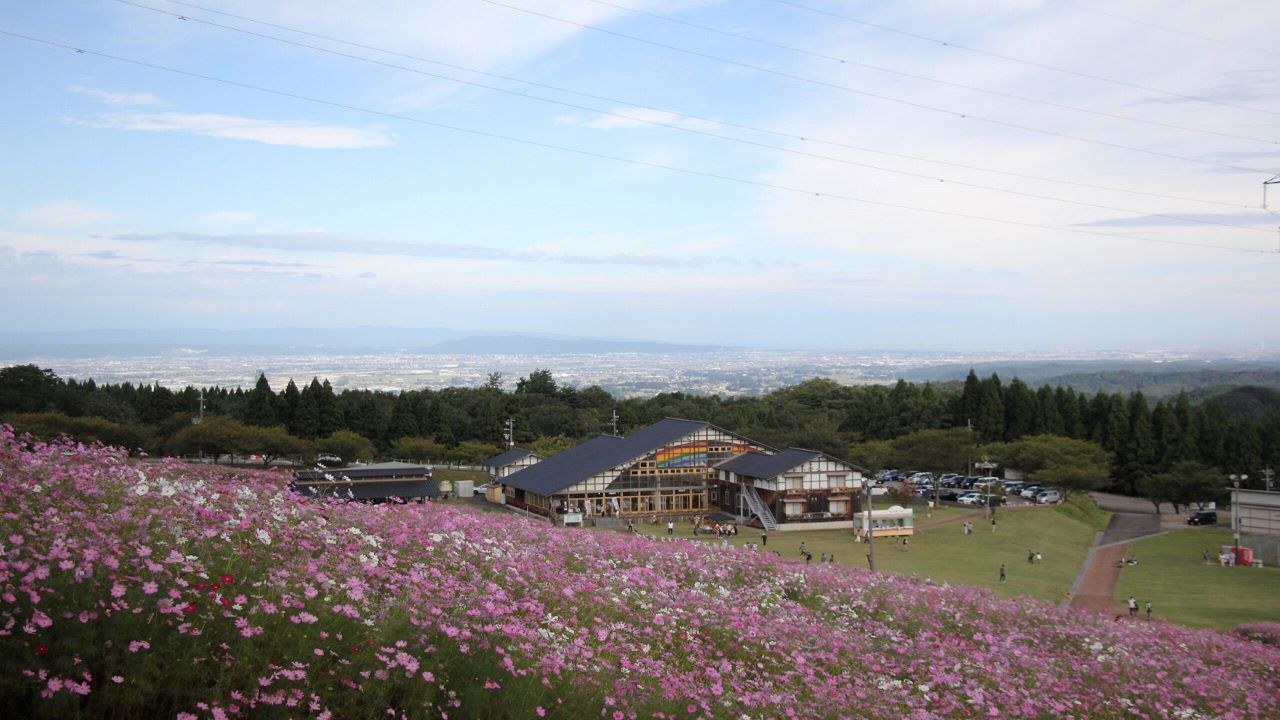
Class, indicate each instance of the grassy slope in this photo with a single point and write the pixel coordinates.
(940, 550)
(1181, 588)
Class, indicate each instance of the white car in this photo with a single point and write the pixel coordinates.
(970, 498)
(1048, 496)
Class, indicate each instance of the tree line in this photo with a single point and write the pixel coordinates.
(1141, 440)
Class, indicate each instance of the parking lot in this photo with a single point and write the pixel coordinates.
(969, 490)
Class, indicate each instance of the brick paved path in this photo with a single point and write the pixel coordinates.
(1097, 587)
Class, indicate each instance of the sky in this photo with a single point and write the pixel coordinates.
(994, 174)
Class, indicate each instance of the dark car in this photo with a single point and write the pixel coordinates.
(1203, 517)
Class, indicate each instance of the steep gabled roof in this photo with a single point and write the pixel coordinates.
(503, 459)
(598, 455)
(759, 465)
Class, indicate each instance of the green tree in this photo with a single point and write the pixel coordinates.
(417, 449)
(538, 382)
(937, 451)
(1049, 421)
(216, 435)
(288, 406)
(990, 414)
(272, 443)
(306, 418)
(1186, 482)
(347, 445)
(27, 388)
(1021, 410)
(50, 425)
(1069, 464)
(260, 405)
(547, 446)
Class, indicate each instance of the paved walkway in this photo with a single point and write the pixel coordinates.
(1095, 587)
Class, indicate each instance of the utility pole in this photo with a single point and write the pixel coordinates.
(509, 433)
(1267, 474)
(614, 420)
(1275, 180)
(871, 548)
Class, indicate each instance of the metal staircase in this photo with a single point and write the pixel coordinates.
(758, 507)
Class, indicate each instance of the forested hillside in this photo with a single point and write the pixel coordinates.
(1143, 439)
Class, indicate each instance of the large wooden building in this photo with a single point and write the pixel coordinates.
(664, 469)
(689, 467)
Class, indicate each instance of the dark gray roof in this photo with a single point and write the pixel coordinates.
(759, 465)
(503, 459)
(598, 455)
(390, 470)
(403, 489)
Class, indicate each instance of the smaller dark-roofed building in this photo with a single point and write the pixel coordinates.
(369, 483)
(513, 460)
(789, 487)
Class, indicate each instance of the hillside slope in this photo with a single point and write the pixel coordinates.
(167, 590)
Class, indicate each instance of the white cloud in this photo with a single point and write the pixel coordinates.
(66, 214)
(117, 98)
(270, 132)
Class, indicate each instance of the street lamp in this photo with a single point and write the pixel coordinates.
(1235, 508)
(986, 466)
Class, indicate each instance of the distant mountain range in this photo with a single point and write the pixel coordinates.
(18, 346)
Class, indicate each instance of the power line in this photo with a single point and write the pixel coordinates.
(616, 158)
(725, 123)
(865, 93)
(1022, 61)
(1166, 28)
(925, 78)
(703, 133)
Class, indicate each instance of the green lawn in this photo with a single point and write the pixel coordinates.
(940, 550)
(1182, 588)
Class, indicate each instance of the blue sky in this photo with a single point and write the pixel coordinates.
(984, 194)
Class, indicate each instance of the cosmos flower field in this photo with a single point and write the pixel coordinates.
(160, 590)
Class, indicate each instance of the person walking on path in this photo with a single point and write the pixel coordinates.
(993, 524)
(1001, 572)
(764, 540)
(1148, 610)
(671, 527)
(1133, 606)
(804, 549)
(1031, 557)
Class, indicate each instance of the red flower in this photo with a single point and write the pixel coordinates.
(225, 602)
(41, 649)
(200, 586)
(227, 579)
(215, 586)
(190, 609)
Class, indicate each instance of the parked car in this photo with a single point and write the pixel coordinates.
(1203, 517)
(483, 488)
(970, 498)
(1029, 492)
(1048, 496)
(1013, 487)
(329, 460)
(948, 494)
